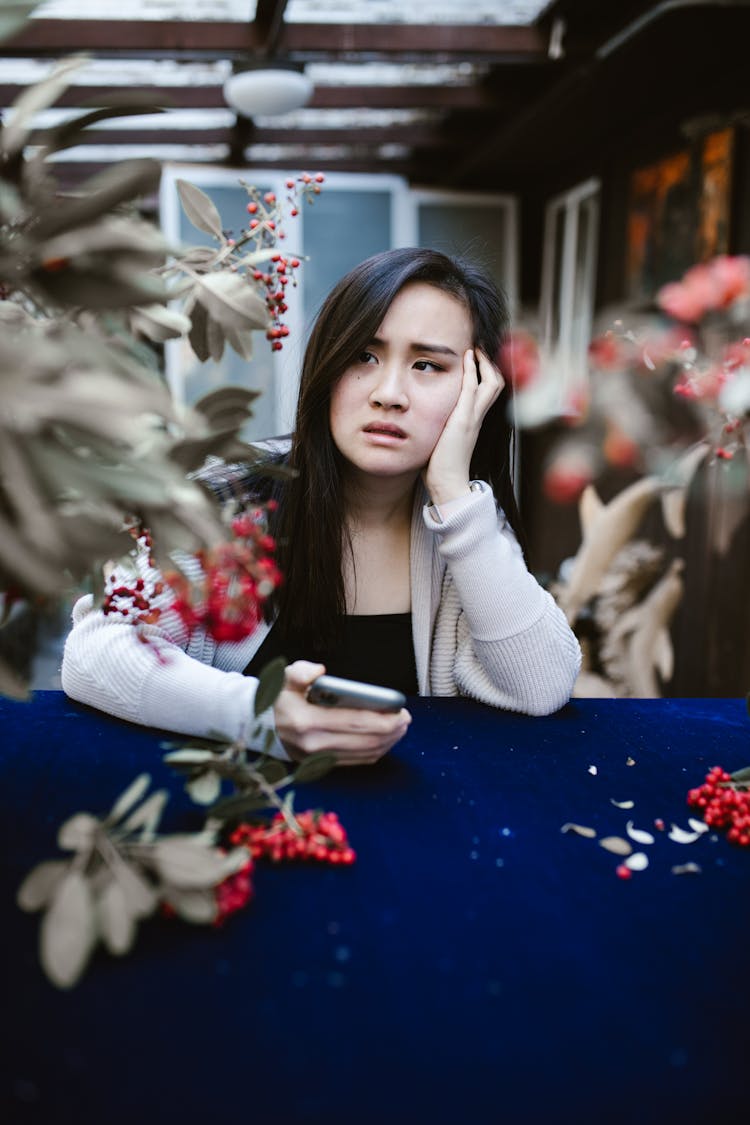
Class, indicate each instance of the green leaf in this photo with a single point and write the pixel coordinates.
(69, 931)
(200, 210)
(272, 770)
(315, 766)
(237, 805)
(198, 334)
(270, 683)
(40, 884)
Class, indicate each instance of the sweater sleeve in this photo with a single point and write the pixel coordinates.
(511, 644)
(159, 676)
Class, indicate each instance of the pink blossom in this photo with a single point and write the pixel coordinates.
(519, 359)
(712, 285)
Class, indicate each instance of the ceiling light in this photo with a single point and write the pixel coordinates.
(267, 91)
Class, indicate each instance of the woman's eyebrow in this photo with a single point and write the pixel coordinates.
(438, 349)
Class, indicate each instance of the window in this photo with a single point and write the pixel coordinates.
(354, 216)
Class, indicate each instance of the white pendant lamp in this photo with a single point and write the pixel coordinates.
(267, 91)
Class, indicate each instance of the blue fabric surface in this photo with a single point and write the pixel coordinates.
(474, 965)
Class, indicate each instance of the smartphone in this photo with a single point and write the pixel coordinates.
(332, 691)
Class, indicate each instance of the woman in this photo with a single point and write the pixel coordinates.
(394, 534)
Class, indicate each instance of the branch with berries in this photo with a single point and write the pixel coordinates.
(122, 870)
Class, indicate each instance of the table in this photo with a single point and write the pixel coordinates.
(474, 965)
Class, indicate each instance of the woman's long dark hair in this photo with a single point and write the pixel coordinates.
(309, 523)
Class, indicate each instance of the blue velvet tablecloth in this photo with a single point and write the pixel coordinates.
(474, 965)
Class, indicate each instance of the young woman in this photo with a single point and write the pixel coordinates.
(395, 538)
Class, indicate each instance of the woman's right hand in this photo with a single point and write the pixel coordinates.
(355, 736)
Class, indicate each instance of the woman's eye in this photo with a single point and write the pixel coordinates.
(366, 357)
(427, 365)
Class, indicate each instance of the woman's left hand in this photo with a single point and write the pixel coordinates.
(448, 471)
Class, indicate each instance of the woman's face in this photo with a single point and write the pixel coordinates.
(389, 407)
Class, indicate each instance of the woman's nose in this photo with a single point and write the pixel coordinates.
(389, 390)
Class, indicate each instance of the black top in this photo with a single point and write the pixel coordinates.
(375, 648)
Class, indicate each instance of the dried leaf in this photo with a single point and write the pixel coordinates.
(622, 804)
(199, 208)
(40, 884)
(182, 862)
(129, 798)
(579, 829)
(159, 323)
(147, 815)
(35, 98)
(77, 833)
(741, 775)
(616, 844)
(232, 302)
(116, 920)
(638, 834)
(205, 788)
(68, 931)
(680, 836)
(698, 826)
(13, 15)
(687, 869)
(197, 906)
(638, 861)
(189, 756)
(139, 894)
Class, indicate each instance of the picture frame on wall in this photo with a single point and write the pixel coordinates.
(678, 213)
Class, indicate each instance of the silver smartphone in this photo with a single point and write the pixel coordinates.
(332, 691)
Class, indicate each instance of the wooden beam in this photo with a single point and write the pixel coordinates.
(221, 39)
(324, 97)
(413, 135)
(269, 23)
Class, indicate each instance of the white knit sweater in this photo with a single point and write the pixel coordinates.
(482, 627)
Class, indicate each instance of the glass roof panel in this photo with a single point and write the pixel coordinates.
(508, 12)
(415, 11)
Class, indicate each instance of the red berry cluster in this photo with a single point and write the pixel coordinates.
(265, 230)
(133, 602)
(724, 803)
(234, 892)
(237, 577)
(316, 835)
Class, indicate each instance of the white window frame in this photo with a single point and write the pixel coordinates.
(574, 308)
(405, 202)
(510, 256)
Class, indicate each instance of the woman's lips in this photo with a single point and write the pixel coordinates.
(384, 430)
